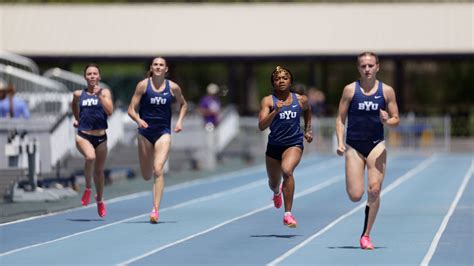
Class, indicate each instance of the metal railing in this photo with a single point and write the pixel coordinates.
(412, 134)
(201, 143)
(43, 96)
(71, 80)
(18, 61)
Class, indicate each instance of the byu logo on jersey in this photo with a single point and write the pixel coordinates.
(90, 102)
(368, 105)
(157, 100)
(287, 115)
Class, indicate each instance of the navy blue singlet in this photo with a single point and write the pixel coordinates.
(91, 113)
(364, 118)
(285, 128)
(155, 107)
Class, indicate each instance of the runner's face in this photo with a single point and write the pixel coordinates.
(282, 81)
(158, 67)
(92, 76)
(368, 67)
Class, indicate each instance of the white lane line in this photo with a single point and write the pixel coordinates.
(184, 185)
(444, 224)
(392, 186)
(251, 185)
(114, 200)
(180, 205)
(207, 180)
(238, 173)
(305, 192)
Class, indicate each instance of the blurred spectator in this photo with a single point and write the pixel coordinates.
(3, 91)
(11, 105)
(210, 105)
(317, 100)
(299, 89)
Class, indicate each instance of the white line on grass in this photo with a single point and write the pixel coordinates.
(444, 224)
(392, 186)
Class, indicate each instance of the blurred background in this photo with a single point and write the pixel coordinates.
(225, 50)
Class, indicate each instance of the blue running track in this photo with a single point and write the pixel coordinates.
(426, 218)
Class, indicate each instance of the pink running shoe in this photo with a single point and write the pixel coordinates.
(289, 220)
(154, 217)
(365, 243)
(86, 197)
(277, 200)
(101, 208)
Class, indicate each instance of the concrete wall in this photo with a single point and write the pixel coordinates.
(235, 29)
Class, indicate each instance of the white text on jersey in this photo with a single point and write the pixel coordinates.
(157, 100)
(367, 106)
(287, 115)
(90, 102)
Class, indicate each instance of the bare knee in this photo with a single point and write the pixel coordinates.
(98, 172)
(287, 173)
(374, 193)
(146, 174)
(90, 158)
(158, 171)
(274, 183)
(355, 195)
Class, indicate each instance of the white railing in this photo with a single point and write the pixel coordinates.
(413, 134)
(62, 140)
(71, 80)
(201, 143)
(54, 140)
(420, 134)
(37, 130)
(47, 103)
(43, 96)
(18, 61)
(227, 129)
(205, 142)
(28, 82)
(115, 132)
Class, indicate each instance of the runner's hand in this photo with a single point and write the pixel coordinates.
(308, 135)
(341, 149)
(383, 116)
(142, 124)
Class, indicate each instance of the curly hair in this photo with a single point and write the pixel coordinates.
(279, 70)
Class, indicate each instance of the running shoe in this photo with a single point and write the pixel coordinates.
(86, 197)
(289, 220)
(365, 243)
(101, 208)
(277, 200)
(154, 216)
